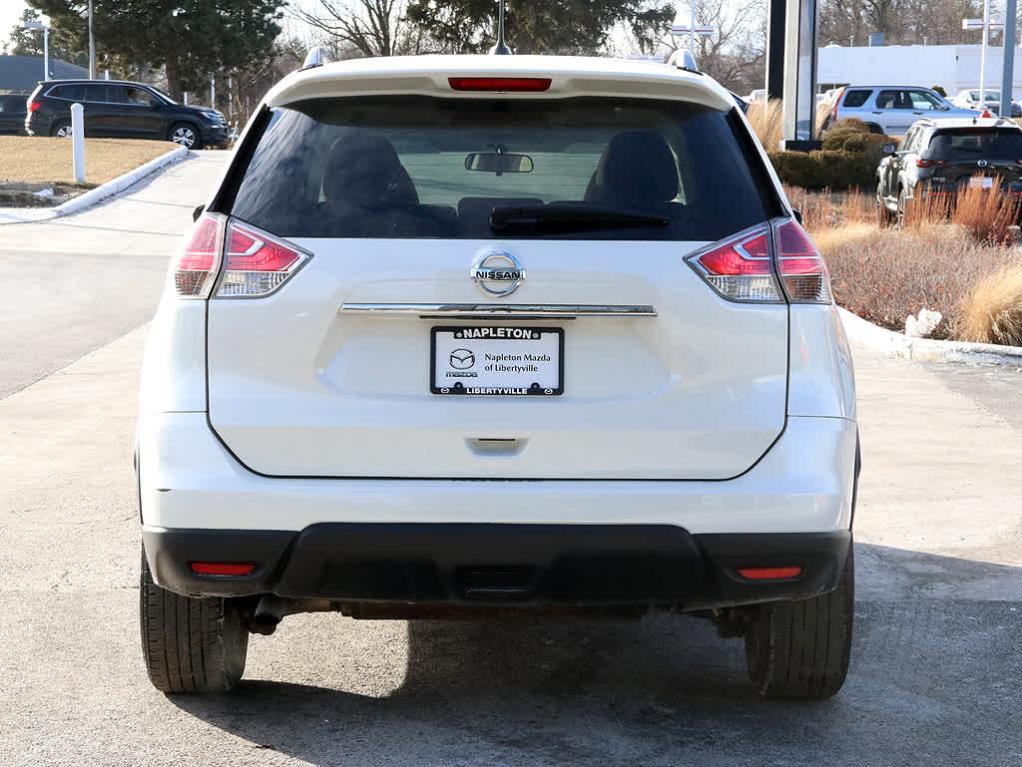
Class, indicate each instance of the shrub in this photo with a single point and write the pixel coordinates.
(992, 310)
(885, 275)
(848, 159)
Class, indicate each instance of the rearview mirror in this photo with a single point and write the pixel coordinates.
(498, 162)
(890, 148)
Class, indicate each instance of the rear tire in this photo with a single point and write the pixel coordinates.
(874, 128)
(61, 129)
(800, 650)
(190, 645)
(902, 207)
(884, 218)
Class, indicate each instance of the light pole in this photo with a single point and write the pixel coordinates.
(1008, 74)
(985, 24)
(46, 44)
(692, 29)
(92, 47)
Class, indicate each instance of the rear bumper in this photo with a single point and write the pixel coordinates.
(804, 483)
(479, 564)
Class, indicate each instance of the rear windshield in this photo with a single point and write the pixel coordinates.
(977, 143)
(425, 167)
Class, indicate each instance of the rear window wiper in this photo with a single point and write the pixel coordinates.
(503, 218)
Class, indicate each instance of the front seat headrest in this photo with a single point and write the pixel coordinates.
(363, 169)
(636, 170)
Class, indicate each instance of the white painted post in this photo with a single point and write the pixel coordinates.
(46, 53)
(78, 142)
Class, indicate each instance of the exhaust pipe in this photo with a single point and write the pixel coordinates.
(267, 615)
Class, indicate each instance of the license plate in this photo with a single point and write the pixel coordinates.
(981, 182)
(497, 361)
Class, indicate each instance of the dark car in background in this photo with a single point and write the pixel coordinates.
(12, 113)
(946, 156)
(120, 109)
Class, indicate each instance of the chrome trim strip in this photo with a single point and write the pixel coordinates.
(506, 311)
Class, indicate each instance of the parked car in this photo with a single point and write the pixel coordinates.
(121, 109)
(969, 99)
(463, 335)
(945, 156)
(891, 109)
(12, 113)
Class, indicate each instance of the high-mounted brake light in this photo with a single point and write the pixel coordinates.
(740, 269)
(256, 263)
(195, 265)
(500, 84)
(800, 266)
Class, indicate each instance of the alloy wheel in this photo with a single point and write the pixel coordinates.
(183, 136)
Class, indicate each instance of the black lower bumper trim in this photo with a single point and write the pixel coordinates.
(580, 565)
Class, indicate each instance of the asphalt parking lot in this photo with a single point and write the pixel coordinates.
(937, 665)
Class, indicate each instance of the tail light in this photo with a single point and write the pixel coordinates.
(256, 263)
(767, 264)
(195, 265)
(33, 106)
(741, 270)
(923, 162)
(800, 266)
(500, 84)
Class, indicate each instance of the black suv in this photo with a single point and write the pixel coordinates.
(945, 156)
(117, 109)
(12, 113)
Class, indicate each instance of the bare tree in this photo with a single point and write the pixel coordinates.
(362, 27)
(733, 54)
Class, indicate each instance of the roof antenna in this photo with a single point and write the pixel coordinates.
(500, 49)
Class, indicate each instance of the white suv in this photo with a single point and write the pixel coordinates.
(462, 334)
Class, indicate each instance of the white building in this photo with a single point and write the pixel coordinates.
(953, 67)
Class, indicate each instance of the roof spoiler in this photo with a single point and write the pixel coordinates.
(684, 59)
(316, 57)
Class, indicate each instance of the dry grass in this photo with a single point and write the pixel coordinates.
(988, 215)
(992, 310)
(766, 118)
(37, 159)
(829, 210)
(884, 275)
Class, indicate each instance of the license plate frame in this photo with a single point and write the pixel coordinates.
(489, 336)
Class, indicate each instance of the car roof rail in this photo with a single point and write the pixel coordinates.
(316, 57)
(684, 59)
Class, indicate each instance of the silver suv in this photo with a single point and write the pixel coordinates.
(891, 109)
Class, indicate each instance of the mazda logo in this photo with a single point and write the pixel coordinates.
(981, 163)
(462, 359)
(497, 272)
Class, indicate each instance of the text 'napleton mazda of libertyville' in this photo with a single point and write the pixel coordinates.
(485, 335)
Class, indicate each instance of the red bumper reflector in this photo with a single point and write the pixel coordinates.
(222, 568)
(500, 84)
(769, 573)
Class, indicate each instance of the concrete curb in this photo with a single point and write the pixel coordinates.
(892, 344)
(93, 196)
